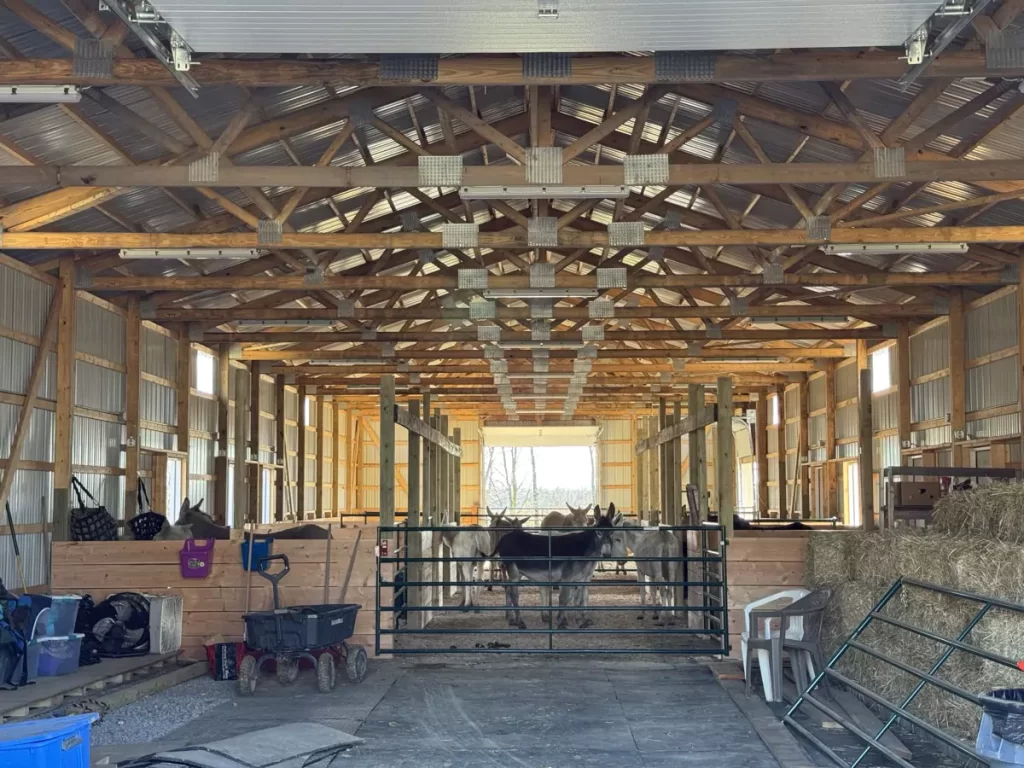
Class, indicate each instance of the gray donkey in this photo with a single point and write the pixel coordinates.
(474, 541)
(656, 575)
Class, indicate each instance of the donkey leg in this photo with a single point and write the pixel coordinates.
(582, 598)
(477, 571)
(643, 595)
(545, 599)
(464, 578)
(565, 598)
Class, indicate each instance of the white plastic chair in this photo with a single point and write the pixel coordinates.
(766, 633)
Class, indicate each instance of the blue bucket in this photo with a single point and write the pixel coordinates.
(260, 548)
(61, 742)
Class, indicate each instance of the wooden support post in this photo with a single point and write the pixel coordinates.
(958, 375)
(698, 450)
(457, 476)
(446, 473)
(782, 446)
(415, 538)
(220, 459)
(803, 448)
(427, 505)
(640, 429)
(242, 512)
(1020, 357)
(339, 414)
(866, 439)
(132, 390)
(281, 456)
(761, 454)
(65, 400)
(322, 403)
(663, 460)
(903, 382)
(255, 471)
(183, 387)
(831, 466)
(300, 459)
(387, 451)
(726, 459)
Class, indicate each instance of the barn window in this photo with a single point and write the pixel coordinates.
(775, 410)
(206, 372)
(881, 372)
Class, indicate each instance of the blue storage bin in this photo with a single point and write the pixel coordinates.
(59, 655)
(58, 618)
(260, 548)
(61, 742)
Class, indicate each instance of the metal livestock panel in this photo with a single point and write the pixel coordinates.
(993, 384)
(158, 403)
(991, 327)
(816, 393)
(846, 422)
(158, 354)
(99, 332)
(96, 443)
(885, 411)
(99, 388)
(24, 302)
(929, 351)
(930, 400)
(202, 413)
(997, 426)
(18, 359)
(846, 382)
(39, 441)
(816, 430)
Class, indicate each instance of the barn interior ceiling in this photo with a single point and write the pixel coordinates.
(750, 213)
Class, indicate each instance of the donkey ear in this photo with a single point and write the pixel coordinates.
(611, 509)
(617, 519)
(185, 506)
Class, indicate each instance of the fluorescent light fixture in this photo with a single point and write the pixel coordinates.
(530, 344)
(190, 253)
(540, 293)
(287, 323)
(40, 94)
(801, 318)
(534, 191)
(855, 249)
(347, 360)
(540, 376)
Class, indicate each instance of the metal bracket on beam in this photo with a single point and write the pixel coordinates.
(713, 331)
(738, 305)
(346, 308)
(269, 232)
(679, 364)
(83, 277)
(546, 66)
(439, 170)
(499, 366)
(626, 234)
(492, 352)
(482, 310)
(175, 60)
(205, 170)
(147, 309)
(488, 333)
(387, 350)
(944, 38)
(612, 277)
(195, 332)
(360, 111)
(890, 330)
(542, 232)
(368, 334)
(683, 66)
(542, 309)
(541, 365)
(460, 235)
(1005, 50)
(414, 378)
(593, 333)
(93, 59)
(890, 163)
(314, 276)
(409, 66)
(819, 228)
(724, 112)
(542, 275)
(544, 165)
(540, 330)
(473, 279)
(645, 170)
(601, 309)
(771, 274)
(587, 352)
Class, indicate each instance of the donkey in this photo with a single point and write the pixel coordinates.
(525, 554)
(574, 518)
(477, 543)
(203, 527)
(655, 575)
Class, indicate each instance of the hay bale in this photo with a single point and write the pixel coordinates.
(828, 558)
(991, 511)
(990, 568)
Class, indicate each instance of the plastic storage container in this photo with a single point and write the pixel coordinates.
(58, 619)
(197, 559)
(59, 655)
(1001, 734)
(165, 618)
(61, 742)
(260, 548)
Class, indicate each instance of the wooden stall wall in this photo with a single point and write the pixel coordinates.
(213, 607)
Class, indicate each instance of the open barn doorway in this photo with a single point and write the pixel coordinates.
(531, 471)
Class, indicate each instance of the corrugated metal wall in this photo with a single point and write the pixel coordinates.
(846, 382)
(992, 326)
(929, 350)
(615, 460)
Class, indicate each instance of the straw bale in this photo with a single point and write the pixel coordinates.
(991, 511)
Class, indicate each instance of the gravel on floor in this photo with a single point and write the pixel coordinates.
(155, 716)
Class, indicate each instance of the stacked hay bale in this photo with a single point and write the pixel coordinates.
(975, 547)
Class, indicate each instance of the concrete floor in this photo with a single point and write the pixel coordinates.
(535, 713)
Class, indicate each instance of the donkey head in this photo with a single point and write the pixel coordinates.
(496, 519)
(579, 514)
(613, 538)
(192, 513)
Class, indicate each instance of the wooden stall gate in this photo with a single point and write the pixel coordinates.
(213, 606)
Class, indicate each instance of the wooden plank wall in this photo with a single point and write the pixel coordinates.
(214, 606)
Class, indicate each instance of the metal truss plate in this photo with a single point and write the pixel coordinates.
(493, 353)
(724, 112)
(540, 330)
(541, 365)
(410, 221)
(368, 334)
(542, 354)
(360, 112)
(414, 378)
(713, 331)
(819, 228)
(83, 277)
(679, 363)
(738, 306)
(587, 352)
(625, 234)
(387, 350)
(593, 333)
(488, 333)
(314, 276)
(645, 170)
(772, 274)
(269, 232)
(346, 308)
(546, 66)
(205, 170)
(544, 165)
(409, 66)
(940, 305)
(473, 279)
(460, 235)
(612, 277)
(683, 66)
(482, 310)
(542, 275)
(426, 256)
(93, 59)
(542, 308)
(542, 232)
(499, 367)
(656, 254)
(890, 163)
(582, 366)
(665, 377)
(440, 170)
(1005, 50)
(601, 309)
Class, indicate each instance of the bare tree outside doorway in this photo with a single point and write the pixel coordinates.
(540, 478)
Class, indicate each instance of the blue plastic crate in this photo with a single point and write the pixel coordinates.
(260, 548)
(61, 742)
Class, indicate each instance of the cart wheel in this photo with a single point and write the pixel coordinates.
(287, 671)
(355, 665)
(247, 676)
(326, 674)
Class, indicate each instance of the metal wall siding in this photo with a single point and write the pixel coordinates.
(816, 394)
(160, 441)
(158, 354)
(202, 414)
(929, 351)
(992, 326)
(792, 435)
(889, 451)
(932, 437)
(847, 451)
(268, 395)
(816, 430)
(846, 382)
(993, 384)
(18, 359)
(773, 441)
(885, 411)
(291, 405)
(846, 422)
(773, 471)
(158, 403)
(997, 426)
(268, 433)
(930, 400)
(34, 550)
(773, 497)
(792, 401)
(99, 332)
(96, 443)
(39, 441)
(817, 455)
(24, 302)
(200, 455)
(98, 388)
(198, 489)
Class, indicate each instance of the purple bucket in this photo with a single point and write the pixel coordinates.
(196, 559)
